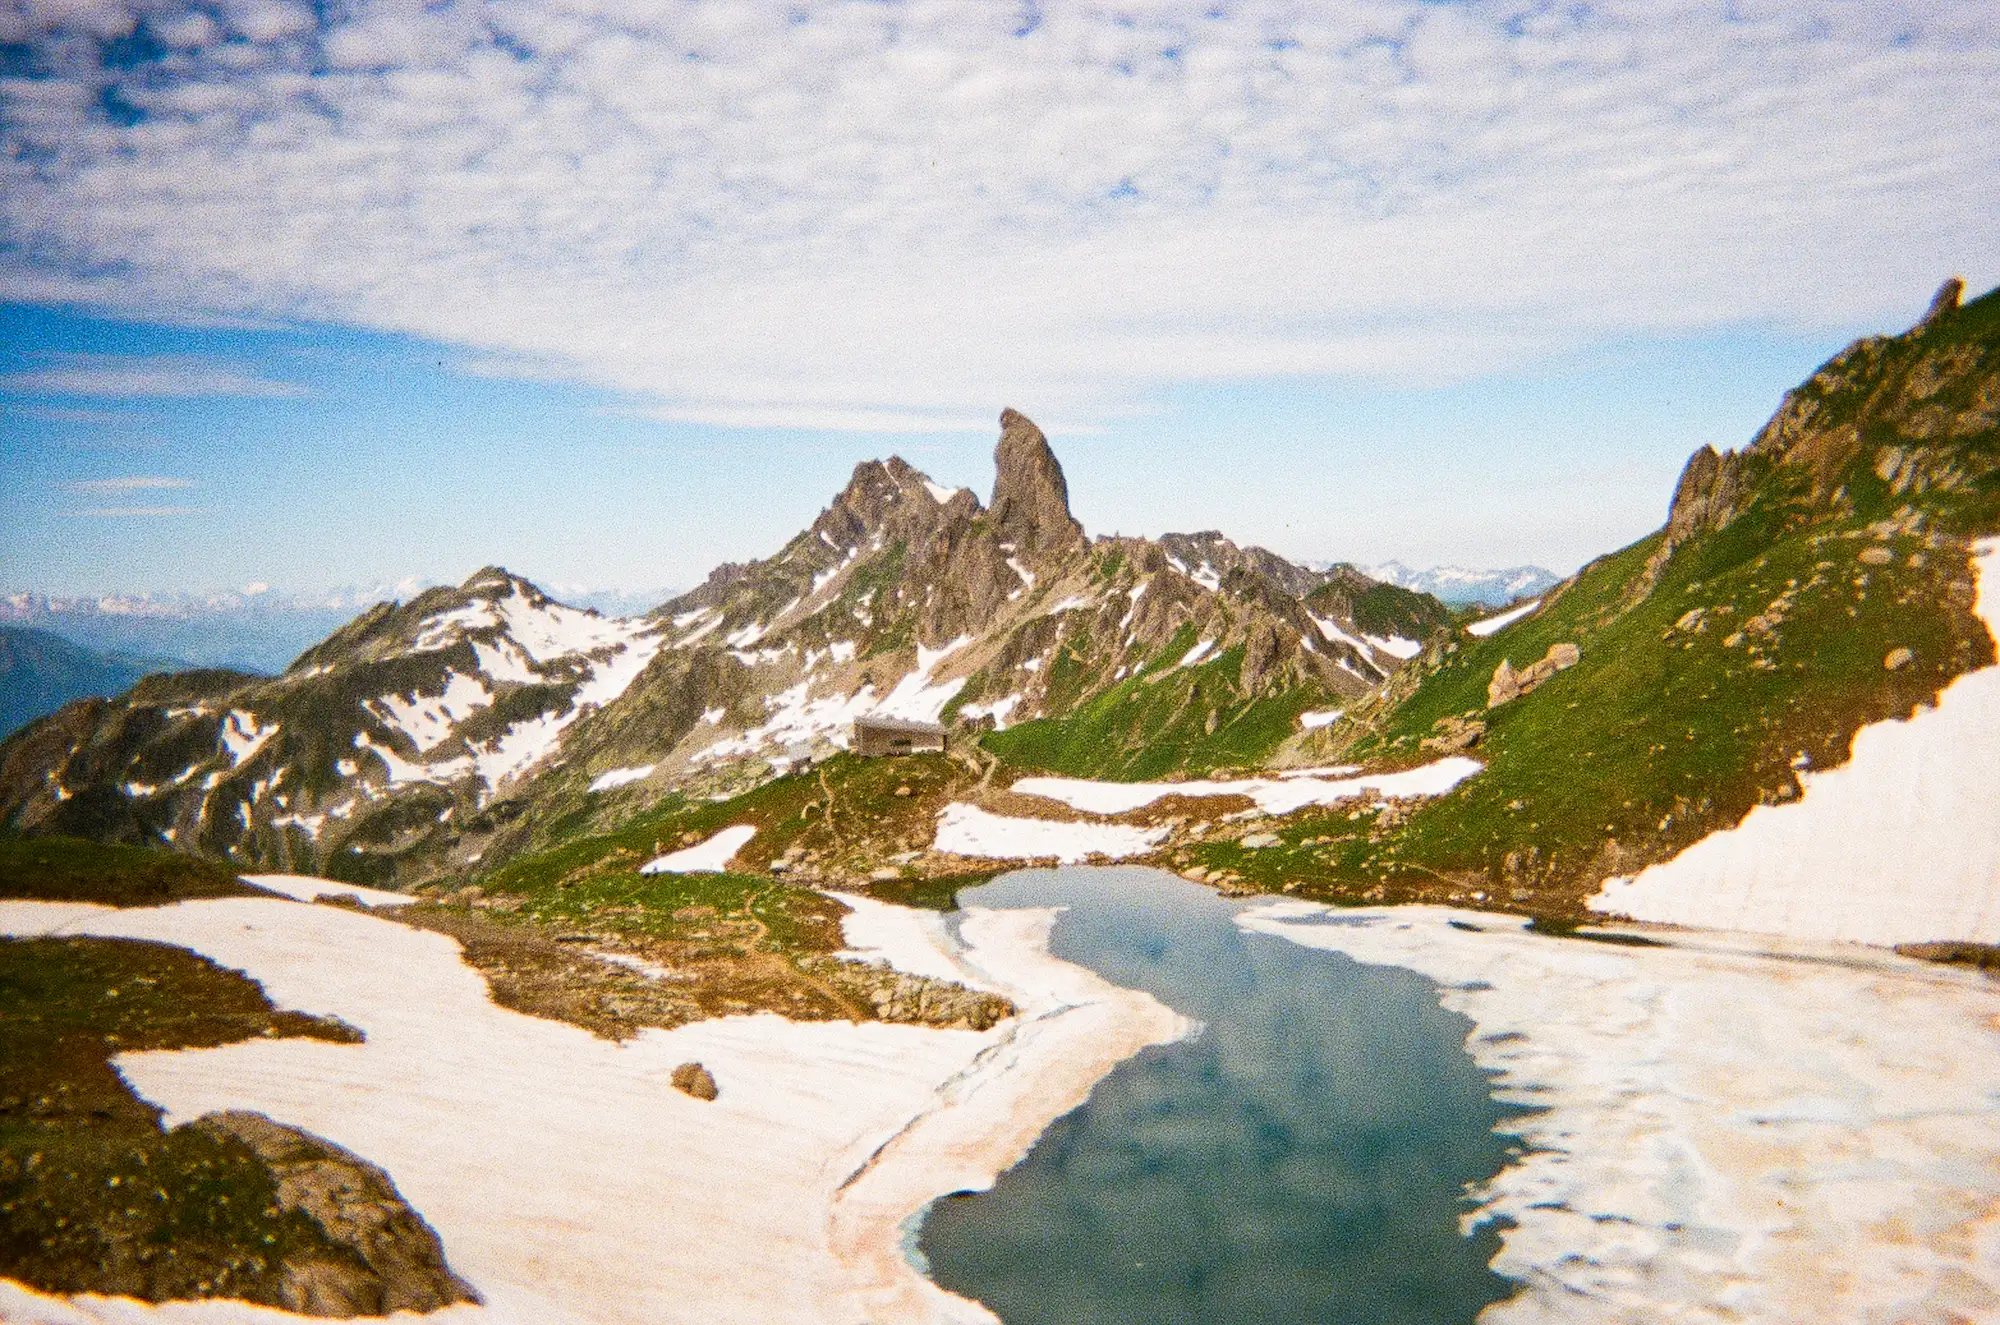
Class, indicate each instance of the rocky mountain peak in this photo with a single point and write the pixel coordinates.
(1030, 498)
(1944, 302)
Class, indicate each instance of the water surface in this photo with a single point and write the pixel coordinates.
(1304, 1159)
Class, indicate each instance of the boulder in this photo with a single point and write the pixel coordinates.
(695, 1080)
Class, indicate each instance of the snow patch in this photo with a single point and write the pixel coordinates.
(1317, 718)
(504, 661)
(1395, 646)
(306, 888)
(620, 777)
(428, 719)
(709, 857)
(914, 698)
(967, 830)
(1279, 795)
(1509, 617)
(1196, 654)
(242, 736)
(1000, 710)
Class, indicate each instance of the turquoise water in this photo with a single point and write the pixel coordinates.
(1303, 1159)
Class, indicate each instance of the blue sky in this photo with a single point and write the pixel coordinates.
(318, 296)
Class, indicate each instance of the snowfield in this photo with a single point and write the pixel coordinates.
(1502, 620)
(1279, 795)
(1900, 844)
(1727, 1129)
(570, 1183)
(967, 830)
(709, 857)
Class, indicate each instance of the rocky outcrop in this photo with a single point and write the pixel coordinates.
(1944, 303)
(694, 1080)
(1509, 684)
(1030, 498)
(1706, 496)
(385, 1257)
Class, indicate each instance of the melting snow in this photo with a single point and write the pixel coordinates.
(401, 770)
(428, 719)
(1719, 1132)
(1900, 844)
(1135, 593)
(620, 777)
(565, 1175)
(1196, 654)
(1395, 646)
(504, 661)
(447, 628)
(1279, 795)
(553, 630)
(710, 857)
(967, 830)
(1507, 618)
(794, 716)
(306, 888)
(242, 736)
(914, 697)
(1320, 718)
(1027, 576)
(999, 710)
(940, 493)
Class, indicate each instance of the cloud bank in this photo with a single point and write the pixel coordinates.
(899, 216)
(141, 377)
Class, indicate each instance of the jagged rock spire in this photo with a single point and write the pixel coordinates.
(1945, 301)
(1030, 499)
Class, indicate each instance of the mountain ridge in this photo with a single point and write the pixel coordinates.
(442, 733)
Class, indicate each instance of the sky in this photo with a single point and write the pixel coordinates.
(606, 292)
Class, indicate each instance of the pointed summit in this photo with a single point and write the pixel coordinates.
(1030, 499)
(1944, 303)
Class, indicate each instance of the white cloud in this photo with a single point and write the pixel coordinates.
(122, 376)
(95, 418)
(909, 215)
(126, 512)
(140, 483)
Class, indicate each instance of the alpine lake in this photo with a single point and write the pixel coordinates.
(1306, 1157)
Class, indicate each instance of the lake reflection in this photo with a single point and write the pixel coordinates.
(1303, 1159)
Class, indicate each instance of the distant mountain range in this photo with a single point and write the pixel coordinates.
(40, 672)
(1461, 587)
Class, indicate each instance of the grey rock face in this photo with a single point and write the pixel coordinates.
(1030, 498)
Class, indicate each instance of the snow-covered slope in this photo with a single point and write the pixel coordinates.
(1900, 844)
